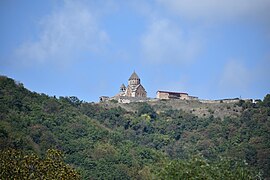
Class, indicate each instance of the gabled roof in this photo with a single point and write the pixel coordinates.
(134, 88)
(134, 76)
(139, 85)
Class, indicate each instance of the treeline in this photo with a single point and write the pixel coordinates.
(181, 135)
(100, 142)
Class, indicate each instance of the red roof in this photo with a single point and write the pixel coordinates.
(170, 92)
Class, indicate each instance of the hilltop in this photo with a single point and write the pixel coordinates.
(160, 139)
(195, 107)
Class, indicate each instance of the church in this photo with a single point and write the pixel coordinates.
(134, 88)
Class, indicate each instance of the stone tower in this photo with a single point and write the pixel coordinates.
(134, 79)
(122, 88)
(134, 88)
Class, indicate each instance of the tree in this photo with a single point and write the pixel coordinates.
(16, 164)
(266, 100)
(199, 168)
(145, 108)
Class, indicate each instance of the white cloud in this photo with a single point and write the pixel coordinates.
(236, 77)
(165, 42)
(69, 29)
(219, 9)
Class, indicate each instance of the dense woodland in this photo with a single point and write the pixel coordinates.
(49, 137)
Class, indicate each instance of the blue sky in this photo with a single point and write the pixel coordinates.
(212, 49)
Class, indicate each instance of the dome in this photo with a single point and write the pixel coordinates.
(134, 76)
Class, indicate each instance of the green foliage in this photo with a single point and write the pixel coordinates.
(266, 100)
(199, 168)
(108, 142)
(114, 101)
(145, 108)
(15, 164)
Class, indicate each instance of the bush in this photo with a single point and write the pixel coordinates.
(16, 164)
(199, 168)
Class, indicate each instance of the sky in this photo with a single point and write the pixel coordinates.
(211, 49)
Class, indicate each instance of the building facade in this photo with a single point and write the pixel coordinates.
(134, 88)
(174, 95)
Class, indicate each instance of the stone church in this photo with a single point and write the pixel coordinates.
(134, 88)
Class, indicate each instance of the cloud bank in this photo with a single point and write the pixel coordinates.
(71, 28)
(165, 42)
(235, 77)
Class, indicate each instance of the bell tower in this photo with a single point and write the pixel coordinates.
(134, 79)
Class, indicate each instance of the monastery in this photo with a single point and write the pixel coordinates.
(134, 88)
(135, 92)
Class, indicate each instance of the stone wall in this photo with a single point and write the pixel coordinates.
(126, 99)
(162, 95)
(184, 96)
(233, 100)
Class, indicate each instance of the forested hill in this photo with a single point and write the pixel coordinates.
(103, 141)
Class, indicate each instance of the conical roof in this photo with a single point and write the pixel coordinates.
(134, 76)
(122, 86)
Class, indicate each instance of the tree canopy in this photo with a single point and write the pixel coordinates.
(105, 141)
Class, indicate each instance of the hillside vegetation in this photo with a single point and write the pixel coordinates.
(134, 141)
(195, 107)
